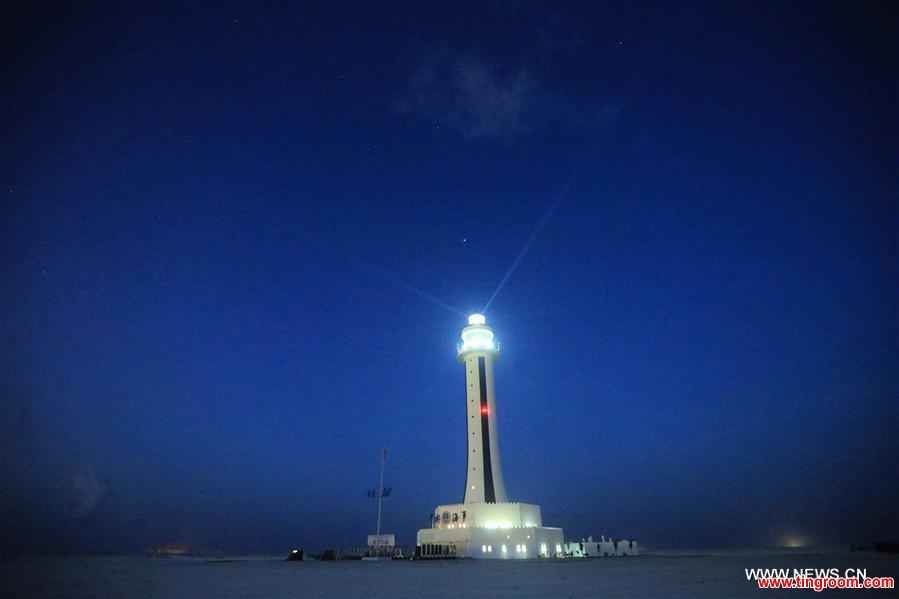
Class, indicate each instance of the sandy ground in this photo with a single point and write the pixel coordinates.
(669, 574)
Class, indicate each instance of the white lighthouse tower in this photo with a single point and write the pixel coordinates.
(485, 524)
(478, 352)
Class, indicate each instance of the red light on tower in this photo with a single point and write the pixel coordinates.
(483, 409)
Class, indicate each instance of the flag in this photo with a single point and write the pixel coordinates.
(385, 454)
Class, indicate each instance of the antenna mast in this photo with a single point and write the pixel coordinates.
(381, 493)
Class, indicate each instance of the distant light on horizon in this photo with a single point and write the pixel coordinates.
(793, 541)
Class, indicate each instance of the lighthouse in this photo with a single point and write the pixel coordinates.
(478, 352)
(486, 525)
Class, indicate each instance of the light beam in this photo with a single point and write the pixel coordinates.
(383, 273)
(398, 281)
(546, 216)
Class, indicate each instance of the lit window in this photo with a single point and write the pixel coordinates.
(503, 548)
(483, 548)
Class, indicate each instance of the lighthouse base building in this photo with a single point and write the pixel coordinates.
(489, 531)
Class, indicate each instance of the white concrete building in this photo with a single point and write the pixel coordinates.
(485, 524)
(602, 548)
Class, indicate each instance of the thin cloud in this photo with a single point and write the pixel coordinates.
(88, 492)
(473, 98)
(480, 101)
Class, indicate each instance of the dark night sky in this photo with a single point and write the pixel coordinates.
(213, 220)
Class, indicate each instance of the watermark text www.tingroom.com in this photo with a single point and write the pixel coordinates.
(817, 579)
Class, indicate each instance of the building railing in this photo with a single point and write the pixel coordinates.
(460, 347)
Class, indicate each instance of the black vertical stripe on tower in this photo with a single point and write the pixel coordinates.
(489, 493)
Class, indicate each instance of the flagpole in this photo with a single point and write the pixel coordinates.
(380, 497)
